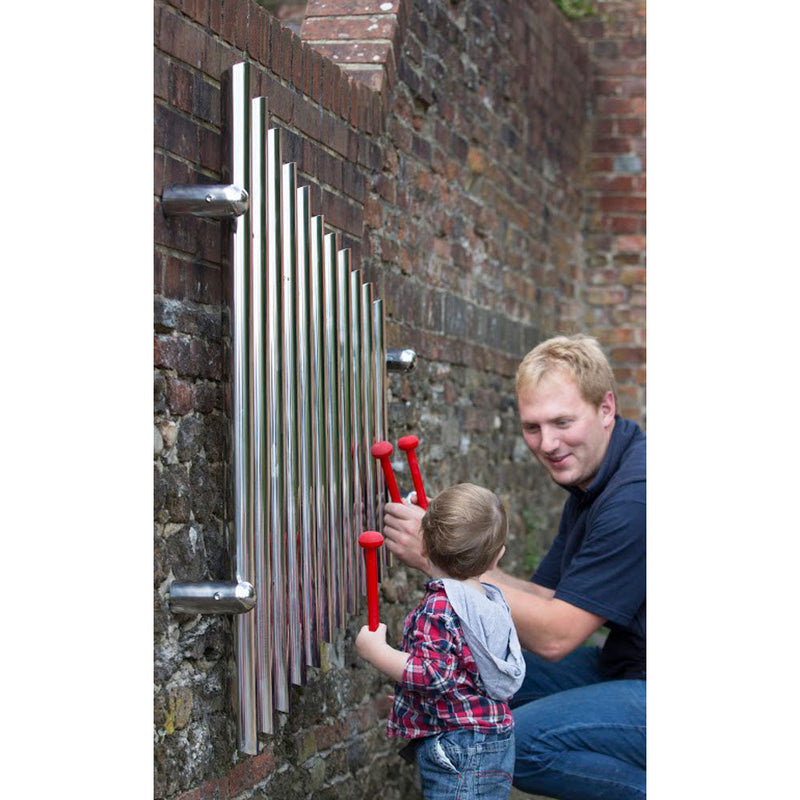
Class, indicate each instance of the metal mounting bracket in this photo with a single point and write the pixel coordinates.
(209, 200)
(211, 597)
(401, 360)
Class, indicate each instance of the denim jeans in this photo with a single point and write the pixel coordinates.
(466, 765)
(578, 736)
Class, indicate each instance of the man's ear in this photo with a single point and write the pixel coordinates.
(608, 409)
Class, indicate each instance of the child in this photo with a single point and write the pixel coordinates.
(461, 659)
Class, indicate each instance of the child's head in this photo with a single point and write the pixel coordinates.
(464, 530)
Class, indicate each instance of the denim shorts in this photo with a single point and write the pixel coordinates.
(466, 765)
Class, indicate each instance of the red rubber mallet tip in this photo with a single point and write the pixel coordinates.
(370, 539)
(407, 442)
(381, 449)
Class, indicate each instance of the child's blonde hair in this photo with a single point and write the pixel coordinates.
(464, 530)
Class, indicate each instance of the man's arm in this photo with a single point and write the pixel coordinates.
(548, 627)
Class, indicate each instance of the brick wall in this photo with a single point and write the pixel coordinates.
(615, 235)
(466, 176)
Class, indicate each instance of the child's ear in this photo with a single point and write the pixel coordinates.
(499, 556)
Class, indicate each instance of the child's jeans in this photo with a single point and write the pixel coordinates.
(466, 765)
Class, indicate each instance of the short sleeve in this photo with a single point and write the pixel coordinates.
(607, 576)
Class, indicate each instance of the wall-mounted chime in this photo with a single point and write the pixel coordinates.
(307, 400)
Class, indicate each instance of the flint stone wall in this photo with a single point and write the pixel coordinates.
(461, 188)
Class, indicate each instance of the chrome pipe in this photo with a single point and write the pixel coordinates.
(308, 539)
(368, 396)
(345, 438)
(279, 633)
(359, 583)
(318, 394)
(292, 486)
(258, 402)
(241, 466)
(334, 430)
(381, 412)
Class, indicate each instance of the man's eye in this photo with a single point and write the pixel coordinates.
(562, 423)
(530, 428)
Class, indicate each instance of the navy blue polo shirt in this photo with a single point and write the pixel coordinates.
(597, 561)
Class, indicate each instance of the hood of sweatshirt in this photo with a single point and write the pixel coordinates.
(491, 636)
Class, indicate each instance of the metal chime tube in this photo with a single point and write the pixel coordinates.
(333, 430)
(319, 442)
(381, 413)
(292, 486)
(242, 476)
(275, 425)
(308, 543)
(369, 464)
(345, 438)
(359, 586)
(258, 388)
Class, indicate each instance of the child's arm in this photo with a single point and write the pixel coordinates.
(372, 646)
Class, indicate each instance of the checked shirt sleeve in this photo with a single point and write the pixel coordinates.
(433, 651)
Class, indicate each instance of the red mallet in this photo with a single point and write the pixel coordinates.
(409, 444)
(382, 451)
(371, 541)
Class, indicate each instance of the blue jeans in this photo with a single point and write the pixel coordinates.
(578, 736)
(466, 765)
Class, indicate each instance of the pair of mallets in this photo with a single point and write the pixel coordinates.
(370, 541)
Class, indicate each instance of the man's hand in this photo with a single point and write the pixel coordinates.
(403, 534)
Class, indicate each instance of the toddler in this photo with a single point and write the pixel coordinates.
(461, 659)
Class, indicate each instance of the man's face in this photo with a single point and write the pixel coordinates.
(567, 434)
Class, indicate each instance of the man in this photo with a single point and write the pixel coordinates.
(580, 714)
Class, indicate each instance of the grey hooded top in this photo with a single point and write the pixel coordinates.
(491, 636)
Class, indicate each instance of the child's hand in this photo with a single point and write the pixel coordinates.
(369, 643)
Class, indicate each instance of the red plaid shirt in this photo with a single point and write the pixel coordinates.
(441, 687)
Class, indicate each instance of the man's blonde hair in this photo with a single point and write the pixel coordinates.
(464, 530)
(578, 356)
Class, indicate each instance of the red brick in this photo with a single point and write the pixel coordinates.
(298, 62)
(348, 8)
(275, 44)
(241, 23)
(608, 296)
(196, 10)
(623, 203)
(258, 38)
(180, 397)
(240, 778)
(627, 355)
(174, 279)
(285, 66)
(621, 224)
(180, 38)
(203, 284)
(631, 243)
(263, 764)
(374, 27)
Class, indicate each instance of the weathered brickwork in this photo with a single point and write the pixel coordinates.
(615, 236)
(488, 177)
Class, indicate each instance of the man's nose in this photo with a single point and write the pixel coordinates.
(550, 440)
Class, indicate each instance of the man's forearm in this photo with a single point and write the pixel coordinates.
(504, 580)
(546, 626)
